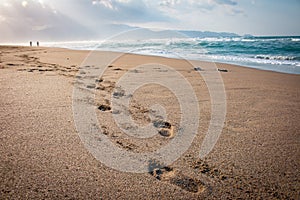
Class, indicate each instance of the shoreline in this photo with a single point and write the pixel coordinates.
(251, 66)
(42, 155)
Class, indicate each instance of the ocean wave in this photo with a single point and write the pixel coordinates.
(248, 60)
(295, 39)
(270, 57)
(285, 66)
(248, 39)
(225, 39)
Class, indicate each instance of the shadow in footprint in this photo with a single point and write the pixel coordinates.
(222, 70)
(104, 107)
(165, 128)
(169, 175)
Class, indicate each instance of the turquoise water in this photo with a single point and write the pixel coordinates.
(272, 53)
(281, 54)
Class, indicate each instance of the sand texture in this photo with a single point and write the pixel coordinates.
(42, 156)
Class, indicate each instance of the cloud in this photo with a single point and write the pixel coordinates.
(2, 18)
(24, 3)
(194, 5)
(105, 3)
(64, 19)
(226, 2)
(41, 28)
(33, 20)
(237, 11)
(109, 3)
(101, 12)
(90, 19)
(169, 2)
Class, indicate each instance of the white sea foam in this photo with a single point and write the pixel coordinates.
(272, 57)
(296, 39)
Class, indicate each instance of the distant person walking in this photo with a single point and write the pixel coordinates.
(30, 43)
(37, 43)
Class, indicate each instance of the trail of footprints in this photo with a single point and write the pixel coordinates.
(164, 174)
(37, 66)
(107, 87)
(32, 64)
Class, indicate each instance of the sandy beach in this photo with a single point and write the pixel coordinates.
(43, 157)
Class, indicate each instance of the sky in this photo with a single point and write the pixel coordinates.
(57, 20)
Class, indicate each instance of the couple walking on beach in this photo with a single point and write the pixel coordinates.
(37, 43)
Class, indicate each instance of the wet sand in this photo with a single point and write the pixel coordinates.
(42, 156)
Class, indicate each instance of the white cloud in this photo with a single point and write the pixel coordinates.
(41, 28)
(6, 4)
(24, 4)
(226, 2)
(19, 23)
(62, 17)
(169, 2)
(124, 1)
(182, 7)
(105, 3)
(2, 18)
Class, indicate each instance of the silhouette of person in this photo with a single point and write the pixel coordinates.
(30, 43)
(37, 43)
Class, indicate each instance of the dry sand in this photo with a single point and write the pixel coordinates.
(42, 157)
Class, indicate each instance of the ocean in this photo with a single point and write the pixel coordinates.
(276, 53)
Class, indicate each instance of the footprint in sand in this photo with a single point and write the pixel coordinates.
(202, 167)
(104, 107)
(165, 128)
(177, 178)
(222, 70)
(91, 86)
